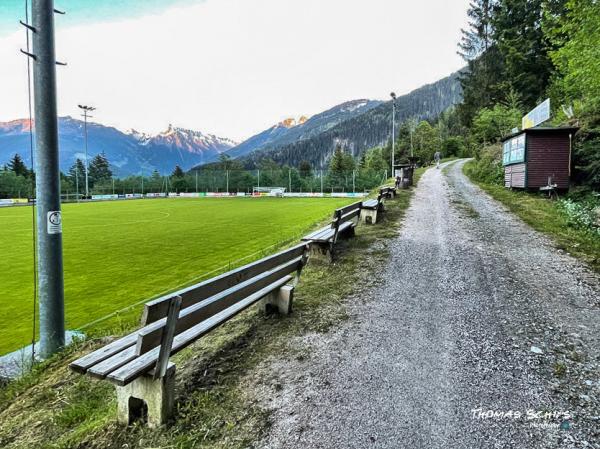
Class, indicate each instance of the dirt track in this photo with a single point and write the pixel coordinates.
(476, 312)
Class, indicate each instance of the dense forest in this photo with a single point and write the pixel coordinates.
(520, 52)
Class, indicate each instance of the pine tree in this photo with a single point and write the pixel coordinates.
(178, 172)
(481, 82)
(524, 47)
(99, 169)
(305, 169)
(77, 172)
(17, 166)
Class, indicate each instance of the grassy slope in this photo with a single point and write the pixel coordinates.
(119, 253)
(542, 215)
(53, 407)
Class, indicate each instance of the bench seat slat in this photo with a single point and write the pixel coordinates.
(323, 236)
(84, 363)
(316, 233)
(102, 369)
(142, 364)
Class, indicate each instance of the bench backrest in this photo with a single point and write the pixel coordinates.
(344, 214)
(157, 309)
(203, 301)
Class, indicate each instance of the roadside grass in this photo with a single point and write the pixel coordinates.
(543, 215)
(55, 408)
(124, 252)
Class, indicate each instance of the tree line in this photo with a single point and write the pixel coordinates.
(518, 53)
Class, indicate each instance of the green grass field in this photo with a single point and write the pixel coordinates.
(120, 253)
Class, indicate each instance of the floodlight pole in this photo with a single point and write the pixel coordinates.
(393, 95)
(49, 225)
(86, 110)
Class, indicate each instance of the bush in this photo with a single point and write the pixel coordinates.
(582, 215)
(487, 167)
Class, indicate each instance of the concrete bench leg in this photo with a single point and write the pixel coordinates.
(147, 399)
(321, 251)
(281, 300)
(368, 216)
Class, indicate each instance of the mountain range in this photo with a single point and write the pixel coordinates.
(128, 152)
(364, 130)
(355, 125)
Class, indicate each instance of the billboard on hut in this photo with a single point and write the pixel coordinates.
(538, 115)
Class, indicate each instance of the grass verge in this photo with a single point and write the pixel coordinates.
(542, 215)
(55, 408)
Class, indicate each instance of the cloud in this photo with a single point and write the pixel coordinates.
(235, 67)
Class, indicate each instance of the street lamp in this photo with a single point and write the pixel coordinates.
(393, 95)
(85, 115)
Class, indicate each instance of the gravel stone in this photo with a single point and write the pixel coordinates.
(436, 355)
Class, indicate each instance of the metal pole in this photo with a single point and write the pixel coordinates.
(353, 181)
(49, 224)
(142, 183)
(258, 179)
(77, 180)
(196, 181)
(86, 153)
(290, 179)
(113, 185)
(321, 181)
(227, 177)
(393, 130)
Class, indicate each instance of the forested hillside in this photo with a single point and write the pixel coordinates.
(520, 52)
(367, 130)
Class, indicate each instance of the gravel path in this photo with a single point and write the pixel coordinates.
(476, 313)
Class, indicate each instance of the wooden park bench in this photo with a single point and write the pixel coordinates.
(322, 241)
(388, 192)
(138, 364)
(371, 208)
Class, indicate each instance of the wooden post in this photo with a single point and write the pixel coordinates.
(167, 338)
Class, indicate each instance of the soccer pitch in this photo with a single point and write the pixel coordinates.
(119, 253)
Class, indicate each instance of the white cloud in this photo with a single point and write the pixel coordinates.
(234, 67)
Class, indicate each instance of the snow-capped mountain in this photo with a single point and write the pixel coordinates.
(129, 153)
(292, 130)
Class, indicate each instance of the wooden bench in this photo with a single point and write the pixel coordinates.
(138, 364)
(322, 241)
(371, 208)
(388, 192)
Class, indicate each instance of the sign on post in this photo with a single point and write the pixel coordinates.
(538, 115)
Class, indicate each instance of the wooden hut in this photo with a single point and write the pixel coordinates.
(538, 157)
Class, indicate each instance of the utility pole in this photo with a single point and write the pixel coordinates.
(77, 181)
(142, 183)
(227, 177)
(321, 181)
(86, 110)
(290, 179)
(196, 181)
(393, 95)
(49, 220)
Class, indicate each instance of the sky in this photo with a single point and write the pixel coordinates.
(231, 67)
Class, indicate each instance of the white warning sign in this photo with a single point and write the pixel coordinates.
(54, 222)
